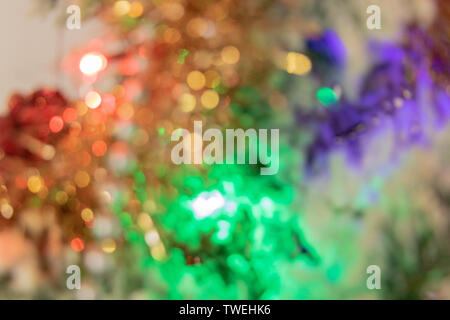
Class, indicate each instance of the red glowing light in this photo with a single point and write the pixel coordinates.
(56, 124)
(99, 148)
(70, 115)
(21, 181)
(77, 244)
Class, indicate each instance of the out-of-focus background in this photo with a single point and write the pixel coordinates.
(92, 205)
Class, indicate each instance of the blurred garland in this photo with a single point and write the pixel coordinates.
(244, 244)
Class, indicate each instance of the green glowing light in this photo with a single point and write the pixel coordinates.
(182, 55)
(224, 232)
(327, 96)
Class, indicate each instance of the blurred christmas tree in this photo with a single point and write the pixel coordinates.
(91, 182)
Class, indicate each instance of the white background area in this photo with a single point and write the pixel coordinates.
(33, 41)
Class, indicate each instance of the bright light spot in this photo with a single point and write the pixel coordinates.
(99, 148)
(87, 214)
(267, 203)
(93, 99)
(108, 245)
(207, 203)
(144, 221)
(70, 115)
(224, 229)
(82, 179)
(77, 244)
(209, 99)
(152, 238)
(7, 211)
(136, 9)
(196, 80)
(121, 8)
(48, 152)
(297, 63)
(230, 55)
(327, 96)
(35, 184)
(56, 124)
(92, 63)
(187, 102)
(158, 252)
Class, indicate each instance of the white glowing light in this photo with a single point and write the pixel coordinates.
(207, 203)
(267, 204)
(92, 63)
(224, 229)
(152, 238)
(93, 99)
